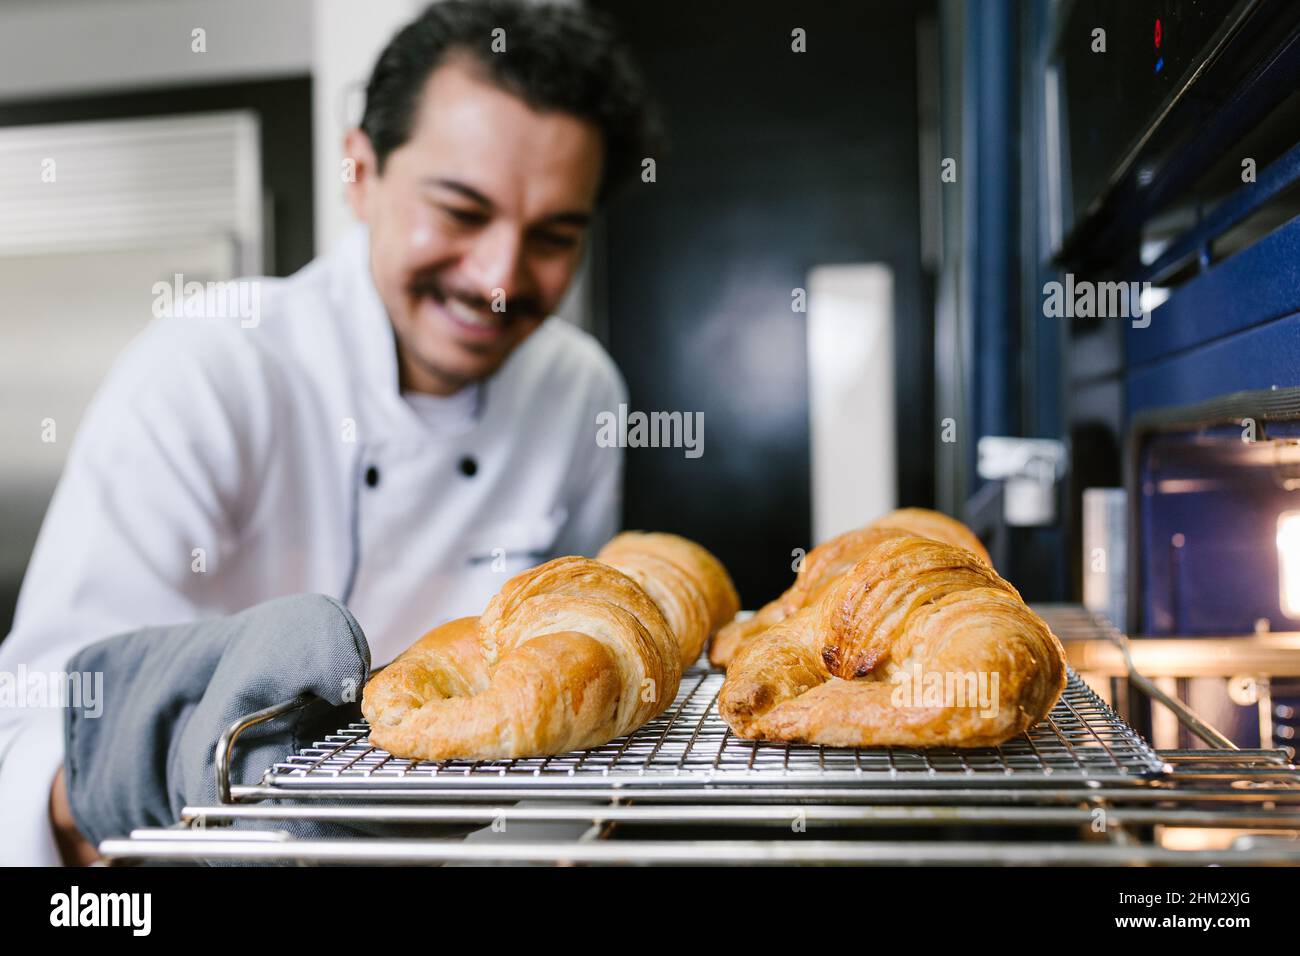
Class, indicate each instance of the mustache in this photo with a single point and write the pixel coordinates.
(521, 307)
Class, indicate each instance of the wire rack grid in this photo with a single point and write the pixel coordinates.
(1082, 740)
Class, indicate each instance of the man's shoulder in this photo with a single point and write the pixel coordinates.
(561, 353)
(246, 325)
(235, 353)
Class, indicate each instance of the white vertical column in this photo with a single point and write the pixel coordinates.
(851, 396)
(347, 38)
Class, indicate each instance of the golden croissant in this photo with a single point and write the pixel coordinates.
(568, 655)
(824, 564)
(919, 644)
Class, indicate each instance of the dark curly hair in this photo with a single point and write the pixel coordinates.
(556, 58)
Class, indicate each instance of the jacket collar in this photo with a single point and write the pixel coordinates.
(373, 344)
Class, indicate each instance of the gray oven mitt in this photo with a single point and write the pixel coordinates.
(170, 692)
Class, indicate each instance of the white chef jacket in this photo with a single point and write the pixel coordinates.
(224, 463)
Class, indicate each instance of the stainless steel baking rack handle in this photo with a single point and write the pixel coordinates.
(1186, 716)
(226, 742)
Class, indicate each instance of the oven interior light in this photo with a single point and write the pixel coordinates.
(1288, 562)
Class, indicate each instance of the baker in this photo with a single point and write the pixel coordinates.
(403, 427)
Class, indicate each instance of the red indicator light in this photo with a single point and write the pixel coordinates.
(1157, 33)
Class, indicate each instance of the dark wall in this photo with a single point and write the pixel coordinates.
(779, 162)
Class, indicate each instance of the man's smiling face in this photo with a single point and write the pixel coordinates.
(487, 203)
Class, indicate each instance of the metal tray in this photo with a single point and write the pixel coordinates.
(686, 769)
(1081, 741)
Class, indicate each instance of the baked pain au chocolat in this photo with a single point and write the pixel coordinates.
(568, 655)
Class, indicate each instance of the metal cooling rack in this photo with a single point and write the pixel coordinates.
(1082, 740)
(686, 769)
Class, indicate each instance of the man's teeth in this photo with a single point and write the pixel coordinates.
(469, 316)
